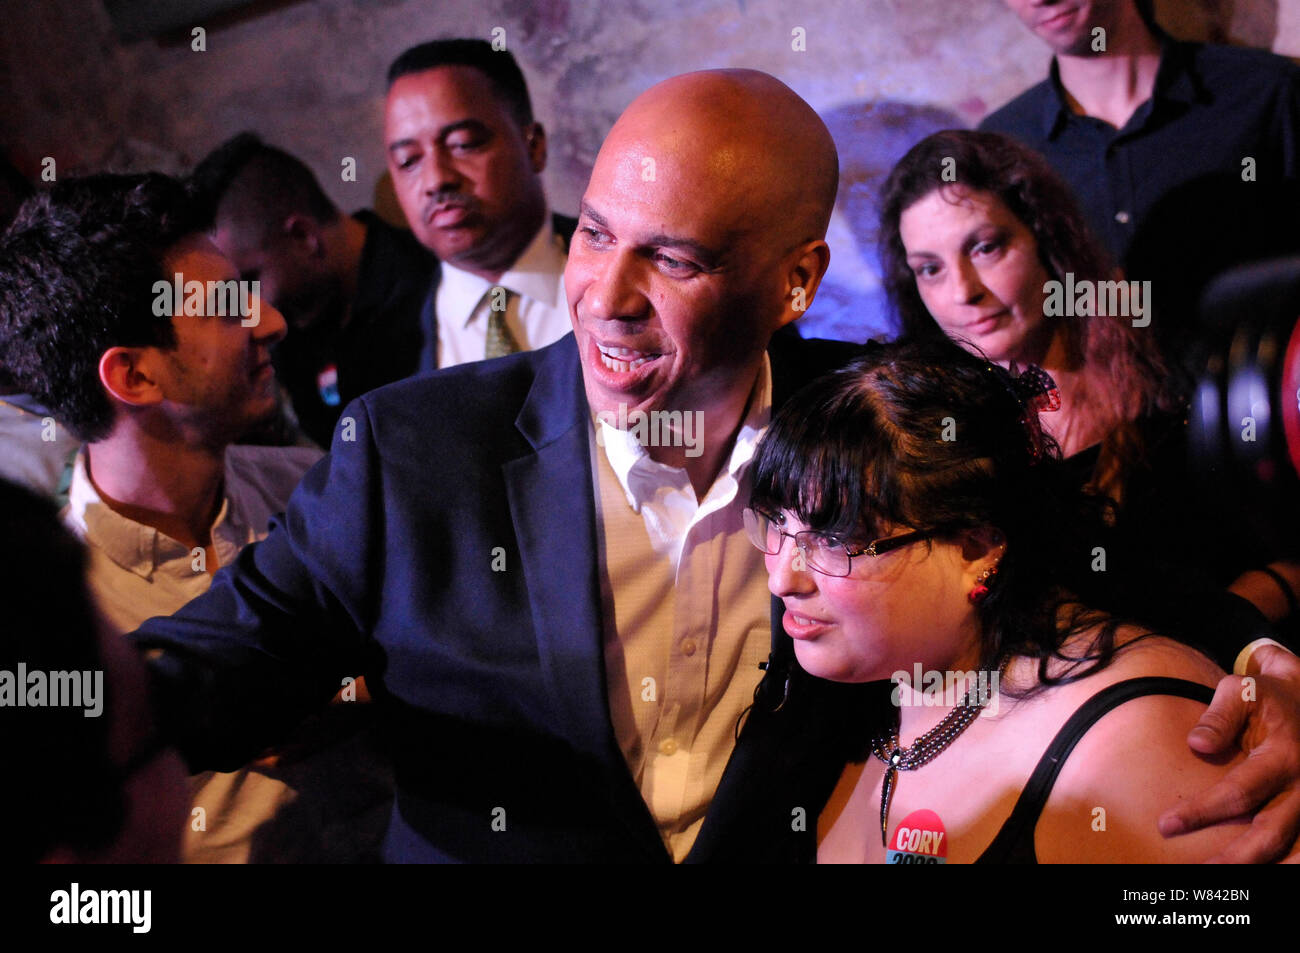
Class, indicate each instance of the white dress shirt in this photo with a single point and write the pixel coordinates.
(687, 617)
(536, 313)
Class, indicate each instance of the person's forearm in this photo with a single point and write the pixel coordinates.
(237, 668)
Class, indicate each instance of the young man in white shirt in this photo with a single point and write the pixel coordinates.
(158, 385)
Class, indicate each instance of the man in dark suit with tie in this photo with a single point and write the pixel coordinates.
(562, 619)
(466, 156)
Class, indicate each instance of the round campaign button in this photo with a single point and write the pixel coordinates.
(918, 839)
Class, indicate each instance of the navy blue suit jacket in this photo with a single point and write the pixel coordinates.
(446, 548)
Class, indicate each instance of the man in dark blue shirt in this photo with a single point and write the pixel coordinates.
(1183, 155)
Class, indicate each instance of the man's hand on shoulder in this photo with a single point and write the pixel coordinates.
(1262, 710)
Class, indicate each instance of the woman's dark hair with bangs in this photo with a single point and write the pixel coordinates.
(926, 436)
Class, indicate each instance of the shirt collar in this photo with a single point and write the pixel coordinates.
(136, 547)
(640, 475)
(1054, 109)
(537, 274)
(1176, 79)
(1175, 82)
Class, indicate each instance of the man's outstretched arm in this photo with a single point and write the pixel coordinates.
(283, 625)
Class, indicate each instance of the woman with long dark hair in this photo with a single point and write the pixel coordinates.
(973, 226)
(939, 541)
(974, 229)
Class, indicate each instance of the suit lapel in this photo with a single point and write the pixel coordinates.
(552, 507)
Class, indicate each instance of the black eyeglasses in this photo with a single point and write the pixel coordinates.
(826, 554)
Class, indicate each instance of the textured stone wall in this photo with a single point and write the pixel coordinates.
(308, 76)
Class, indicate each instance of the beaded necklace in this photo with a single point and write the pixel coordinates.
(927, 747)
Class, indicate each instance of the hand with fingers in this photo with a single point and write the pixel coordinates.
(1261, 711)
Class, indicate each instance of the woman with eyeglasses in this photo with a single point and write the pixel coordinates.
(921, 528)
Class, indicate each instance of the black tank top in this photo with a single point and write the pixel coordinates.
(1014, 843)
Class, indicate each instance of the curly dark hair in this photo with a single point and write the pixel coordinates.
(861, 451)
(77, 270)
(1127, 377)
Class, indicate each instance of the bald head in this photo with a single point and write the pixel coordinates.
(744, 133)
(702, 231)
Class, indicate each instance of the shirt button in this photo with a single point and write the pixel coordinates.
(1122, 217)
(688, 647)
(668, 747)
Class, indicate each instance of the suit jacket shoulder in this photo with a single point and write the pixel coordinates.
(476, 405)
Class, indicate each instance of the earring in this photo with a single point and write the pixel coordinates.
(981, 590)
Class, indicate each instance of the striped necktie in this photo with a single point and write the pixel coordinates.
(500, 340)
